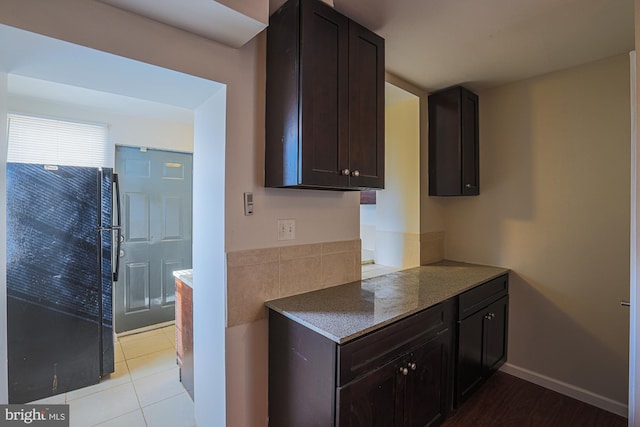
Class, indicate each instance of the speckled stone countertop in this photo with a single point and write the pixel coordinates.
(185, 275)
(343, 313)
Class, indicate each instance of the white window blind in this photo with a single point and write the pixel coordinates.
(57, 142)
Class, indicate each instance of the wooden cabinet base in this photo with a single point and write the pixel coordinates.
(184, 334)
(482, 335)
(406, 373)
(394, 377)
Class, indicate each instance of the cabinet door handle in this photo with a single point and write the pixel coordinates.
(355, 173)
(488, 316)
(470, 186)
(413, 366)
(345, 172)
(404, 371)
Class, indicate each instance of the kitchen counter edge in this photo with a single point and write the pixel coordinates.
(345, 312)
(186, 276)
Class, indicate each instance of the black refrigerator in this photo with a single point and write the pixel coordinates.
(60, 274)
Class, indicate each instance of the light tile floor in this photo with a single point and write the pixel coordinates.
(144, 390)
(373, 270)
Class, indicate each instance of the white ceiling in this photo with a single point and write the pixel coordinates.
(430, 43)
(483, 43)
(438, 43)
(208, 18)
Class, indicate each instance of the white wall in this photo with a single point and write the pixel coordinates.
(398, 205)
(634, 378)
(209, 298)
(634, 368)
(554, 207)
(368, 230)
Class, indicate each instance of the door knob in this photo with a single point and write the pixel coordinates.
(345, 172)
(355, 173)
(413, 366)
(404, 371)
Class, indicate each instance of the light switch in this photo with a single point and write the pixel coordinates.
(286, 229)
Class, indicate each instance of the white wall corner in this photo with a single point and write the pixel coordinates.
(255, 9)
(209, 261)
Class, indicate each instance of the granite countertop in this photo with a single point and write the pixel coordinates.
(186, 276)
(343, 313)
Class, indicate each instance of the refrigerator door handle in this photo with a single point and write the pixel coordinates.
(117, 226)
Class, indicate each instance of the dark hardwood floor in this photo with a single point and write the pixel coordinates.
(507, 401)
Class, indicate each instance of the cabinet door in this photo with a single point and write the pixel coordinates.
(324, 96)
(482, 346)
(470, 367)
(469, 143)
(495, 335)
(372, 400)
(366, 108)
(444, 148)
(453, 143)
(426, 390)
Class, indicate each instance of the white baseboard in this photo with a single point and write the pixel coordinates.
(578, 393)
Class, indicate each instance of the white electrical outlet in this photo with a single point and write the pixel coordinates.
(286, 229)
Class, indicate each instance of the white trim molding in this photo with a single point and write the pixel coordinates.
(578, 393)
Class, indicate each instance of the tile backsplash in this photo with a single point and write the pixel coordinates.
(258, 275)
(431, 247)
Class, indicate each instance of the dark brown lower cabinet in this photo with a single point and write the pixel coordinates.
(394, 377)
(373, 400)
(408, 391)
(426, 390)
(482, 342)
(408, 373)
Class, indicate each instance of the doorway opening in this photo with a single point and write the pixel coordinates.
(128, 89)
(155, 195)
(390, 218)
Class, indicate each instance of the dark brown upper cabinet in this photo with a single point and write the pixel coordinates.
(453, 143)
(325, 100)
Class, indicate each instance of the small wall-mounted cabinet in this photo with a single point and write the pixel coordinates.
(325, 100)
(453, 143)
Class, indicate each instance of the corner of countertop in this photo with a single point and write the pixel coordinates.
(186, 276)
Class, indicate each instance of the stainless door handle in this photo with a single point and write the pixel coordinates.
(118, 227)
(625, 303)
